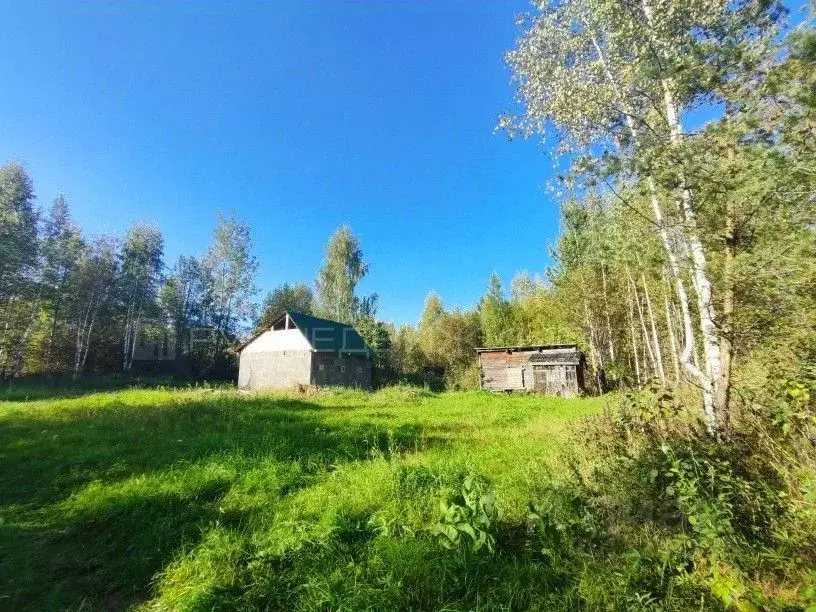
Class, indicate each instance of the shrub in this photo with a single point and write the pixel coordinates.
(463, 378)
(724, 517)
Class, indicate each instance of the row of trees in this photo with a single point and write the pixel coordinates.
(71, 303)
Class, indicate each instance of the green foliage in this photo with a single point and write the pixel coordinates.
(440, 351)
(139, 277)
(18, 262)
(18, 227)
(229, 270)
(378, 337)
(564, 523)
(494, 313)
(792, 403)
(343, 268)
(725, 515)
(182, 299)
(294, 298)
(468, 521)
(668, 209)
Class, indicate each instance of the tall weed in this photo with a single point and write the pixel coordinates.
(685, 516)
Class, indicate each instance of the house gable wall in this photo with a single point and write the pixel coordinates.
(274, 369)
(293, 353)
(278, 340)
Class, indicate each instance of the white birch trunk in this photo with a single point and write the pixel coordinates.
(633, 336)
(606, 313)
(672, 343)
(126, 338)
(655, 338)
(82, 323)
(649, 349)
(711, 380)
(595, 357)
(20, 350)
(136, 325)
(687, 356)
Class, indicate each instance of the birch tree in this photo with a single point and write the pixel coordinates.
(611, 80)
(95, 281)
(61, 249)
(343, 268)
(141, 267)
(181, 299)
(229, 268)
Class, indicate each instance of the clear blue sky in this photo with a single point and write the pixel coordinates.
(300, 116)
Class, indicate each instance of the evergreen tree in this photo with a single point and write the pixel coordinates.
(18, 264)
(494, 312)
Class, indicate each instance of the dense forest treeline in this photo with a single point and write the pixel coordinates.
(686, 253)
(75, 303)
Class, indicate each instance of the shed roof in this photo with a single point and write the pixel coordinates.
(322, 334)
(533, 347)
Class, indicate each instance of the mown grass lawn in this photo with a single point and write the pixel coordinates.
(202, 500)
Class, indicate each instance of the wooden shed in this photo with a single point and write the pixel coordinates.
(554, 369)
(300, 349)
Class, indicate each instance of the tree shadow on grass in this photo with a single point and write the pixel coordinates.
(78, 527)
(62, 386)
(100, 558)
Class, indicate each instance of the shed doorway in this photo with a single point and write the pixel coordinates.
(549, 379)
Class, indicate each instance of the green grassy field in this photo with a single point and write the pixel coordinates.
(201, 500)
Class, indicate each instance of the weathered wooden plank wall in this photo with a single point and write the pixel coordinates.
(556, 371)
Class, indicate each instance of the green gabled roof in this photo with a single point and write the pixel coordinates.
(327, 335)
